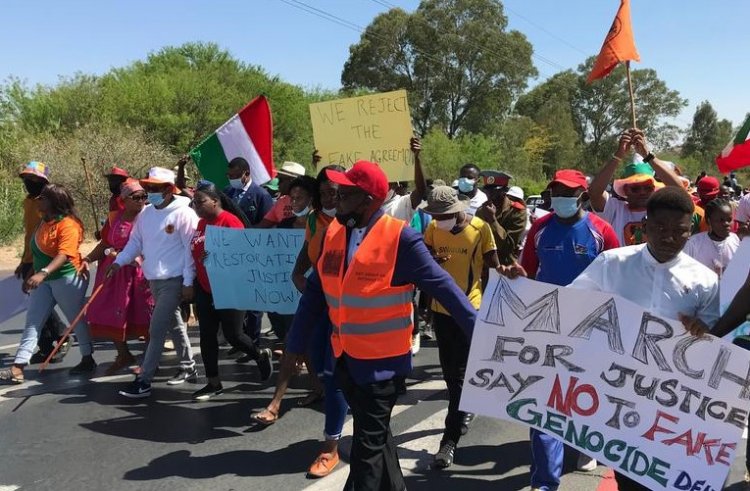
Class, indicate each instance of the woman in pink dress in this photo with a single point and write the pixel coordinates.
(123, 308)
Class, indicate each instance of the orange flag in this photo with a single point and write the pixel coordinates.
(619, 45)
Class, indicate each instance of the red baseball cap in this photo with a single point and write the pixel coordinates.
(367, 176)
(708, 185)
(570, 178)
(116, 171)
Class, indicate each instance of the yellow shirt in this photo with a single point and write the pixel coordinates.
(466, 250)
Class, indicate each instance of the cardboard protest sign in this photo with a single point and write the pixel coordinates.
(731, 280)
(14, 300)
(373, 127)
(251, 269)
(622, 385)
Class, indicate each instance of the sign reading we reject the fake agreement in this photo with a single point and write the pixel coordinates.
(622, 385)
(374, 127)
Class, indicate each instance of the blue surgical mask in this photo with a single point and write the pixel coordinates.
(565, 207)
(155, 199)
(466, 185)
(236, 183)
(302, 213)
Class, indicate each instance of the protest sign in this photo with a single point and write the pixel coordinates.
(373, 127)
(732, 279)
(14, 301)
(620, 384)
(251, 269)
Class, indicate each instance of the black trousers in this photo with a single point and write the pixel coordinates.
(453, 349)
(373, 462)
(624, 483)
(252, 325)
(231, 323)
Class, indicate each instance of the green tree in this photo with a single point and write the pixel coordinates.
(702, 139)
(460, 64)
(603, 107)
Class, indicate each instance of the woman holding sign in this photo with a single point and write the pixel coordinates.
(215, 208)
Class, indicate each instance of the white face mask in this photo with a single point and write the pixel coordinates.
(302, 213)
(446, 225)
(331, 212)
(236, 183)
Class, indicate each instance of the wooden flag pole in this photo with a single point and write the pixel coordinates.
(630, 89)
(91, 195)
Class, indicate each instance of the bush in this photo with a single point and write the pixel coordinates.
(103, 146)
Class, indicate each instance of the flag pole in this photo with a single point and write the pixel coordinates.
(91, 194)
(630, 89)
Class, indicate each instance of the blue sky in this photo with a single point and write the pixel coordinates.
(696, 46)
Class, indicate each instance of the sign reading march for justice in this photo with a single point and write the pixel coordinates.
(628, 388)
(373, 127)
(251, 269)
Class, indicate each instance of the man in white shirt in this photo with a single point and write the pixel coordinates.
(468, 181)
(162, 236)
(404, 207)
(636, 184)
(658, 276)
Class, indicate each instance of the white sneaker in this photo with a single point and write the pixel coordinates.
(415, 344)
(586, 463)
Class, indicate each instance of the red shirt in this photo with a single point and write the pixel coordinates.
(197, 244)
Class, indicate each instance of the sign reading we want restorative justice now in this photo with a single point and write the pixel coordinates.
(373, 127)
(251, 269)
(626, 387)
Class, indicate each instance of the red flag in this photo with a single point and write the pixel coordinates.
(619, 45)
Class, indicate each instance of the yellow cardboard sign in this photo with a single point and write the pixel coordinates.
(373, 127)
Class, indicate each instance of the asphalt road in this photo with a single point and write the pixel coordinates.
(59, 432)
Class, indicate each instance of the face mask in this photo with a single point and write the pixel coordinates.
(155, 198)
(303, 212)
(565, 207)
(236, 183)
(33, 188)
(331, 212)
(466, 185)
(446, 225)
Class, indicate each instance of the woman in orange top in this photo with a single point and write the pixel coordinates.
(324, 210)
(56, 279)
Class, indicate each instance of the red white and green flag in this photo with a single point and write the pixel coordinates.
(247, 134)
(737, 152)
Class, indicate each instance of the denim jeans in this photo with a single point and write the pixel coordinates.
(69, 293)
(166, 318)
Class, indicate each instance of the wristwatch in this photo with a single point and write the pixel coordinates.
(44, 271)
(648, 158)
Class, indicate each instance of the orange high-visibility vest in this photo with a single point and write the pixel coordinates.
(371, 319)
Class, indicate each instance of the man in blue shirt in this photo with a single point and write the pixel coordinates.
(371, 385)
(253, 200)
(558, 248)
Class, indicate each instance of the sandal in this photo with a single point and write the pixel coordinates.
(265, 420)
(6, 376)
(310, 399)
(120, 363)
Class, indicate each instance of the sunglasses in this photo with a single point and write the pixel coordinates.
(138, 197)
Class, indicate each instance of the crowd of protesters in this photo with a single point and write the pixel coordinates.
(379, 264)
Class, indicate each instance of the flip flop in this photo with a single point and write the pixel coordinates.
(6, 376)
(265, 421)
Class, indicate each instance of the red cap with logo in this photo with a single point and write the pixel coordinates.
(367, 176)
(570, 178)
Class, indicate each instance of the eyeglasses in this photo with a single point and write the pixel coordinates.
(138, 197)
